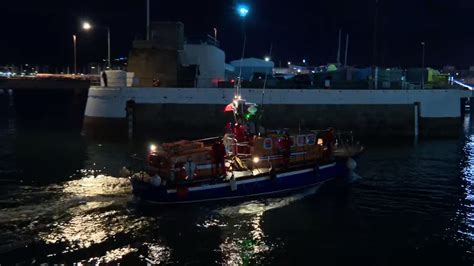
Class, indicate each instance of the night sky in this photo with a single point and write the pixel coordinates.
(40, 31)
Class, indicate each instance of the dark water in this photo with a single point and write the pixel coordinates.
(62, 202)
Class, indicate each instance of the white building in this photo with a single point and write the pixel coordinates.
(210, 60)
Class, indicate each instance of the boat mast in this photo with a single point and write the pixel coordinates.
(242, 10)
(338, 60)
(239, 79)
(347, 48)
(266, 75)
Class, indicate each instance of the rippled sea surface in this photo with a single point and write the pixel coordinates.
(61, 201)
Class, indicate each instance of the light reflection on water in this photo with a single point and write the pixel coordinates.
(243, 239)
(468, 177)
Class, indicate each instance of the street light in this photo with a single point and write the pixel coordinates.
(423, 55)
(87, 26)
(423, 65)
(243, 10)
(74, 40)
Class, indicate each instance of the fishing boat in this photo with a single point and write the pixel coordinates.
(248, 161)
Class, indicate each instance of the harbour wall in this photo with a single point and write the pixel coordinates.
(47, 103)
(160, 111)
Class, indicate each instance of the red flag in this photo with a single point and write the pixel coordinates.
(229, 108)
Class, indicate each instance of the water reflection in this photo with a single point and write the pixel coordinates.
(467, 205)
(243, 240)
(94, 220)
(157, 253)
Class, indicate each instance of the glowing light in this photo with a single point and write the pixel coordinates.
(252, 110)
(153, 148)
(304, 61)
(256, 159)
(267, 58)
(243, 10)
(299, 70)
(320, 142)
(289, 63)
(86, 26)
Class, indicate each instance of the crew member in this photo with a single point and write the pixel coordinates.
(285, 148)
(330, 141)
(239, 132)
(219, 152)
(190, 168)
(228, 128)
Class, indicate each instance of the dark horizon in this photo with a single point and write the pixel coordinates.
(41, 33)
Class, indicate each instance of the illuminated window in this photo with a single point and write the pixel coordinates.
(311, 139)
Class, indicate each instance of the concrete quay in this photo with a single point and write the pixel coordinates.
(398, 113)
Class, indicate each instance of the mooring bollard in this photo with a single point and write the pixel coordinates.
(416, 120)
(130, 108)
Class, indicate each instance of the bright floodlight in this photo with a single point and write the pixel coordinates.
(243, 10)
(86, 26)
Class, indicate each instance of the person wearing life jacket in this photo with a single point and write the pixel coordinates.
(219, 152)
(180, 174)
(190, 167)
(228, 128)
(329, 142)
(239, 132)
(285, 144)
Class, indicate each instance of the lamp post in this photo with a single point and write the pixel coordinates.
(423, 55)
(242, 11)
(87, 26)
(74, 40)
(423, 65)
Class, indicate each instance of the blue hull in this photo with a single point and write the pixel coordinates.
(261, 185)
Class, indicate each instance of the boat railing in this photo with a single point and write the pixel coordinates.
(235, 147)
(244, 146)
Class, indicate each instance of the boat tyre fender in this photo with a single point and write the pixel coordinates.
(273, 175)
(316, 171)
(233, 184)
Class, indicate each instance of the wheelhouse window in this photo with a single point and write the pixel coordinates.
(268, 144)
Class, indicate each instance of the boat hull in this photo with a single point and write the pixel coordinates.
(261, 185)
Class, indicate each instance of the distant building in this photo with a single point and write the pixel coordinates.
(250, 66)
(169, 60)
